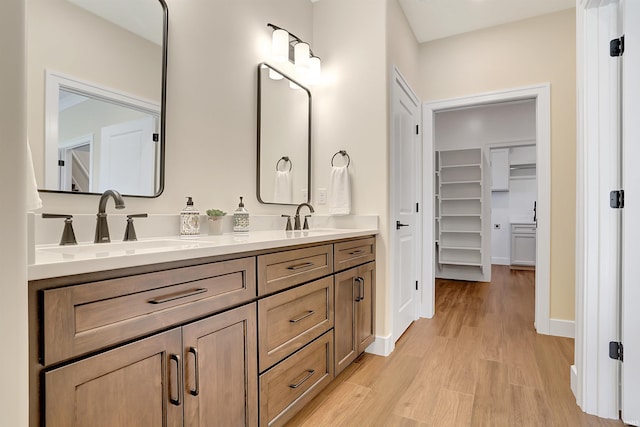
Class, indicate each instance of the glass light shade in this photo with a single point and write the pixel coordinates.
(301, 56)
(315, 69)
(274, 75)
(280, 45)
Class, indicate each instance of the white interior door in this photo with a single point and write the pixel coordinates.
(405, 178)
(631, 215)
(127, 157)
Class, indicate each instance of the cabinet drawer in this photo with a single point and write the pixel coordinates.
(523, 228)
(282, 270)
(82, 318)
(289, 320)
(354, 252)
(288, 386)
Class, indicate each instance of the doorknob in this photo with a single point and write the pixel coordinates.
(399, 224)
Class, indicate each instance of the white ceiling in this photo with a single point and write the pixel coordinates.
(141, 17)
(436, 19)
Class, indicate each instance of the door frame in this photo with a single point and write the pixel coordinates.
(595, 377)
(542, 94)
(393, 185)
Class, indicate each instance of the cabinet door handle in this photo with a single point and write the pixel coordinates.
(195, 391)
(358, 252)
(177, 295)
(310, 373)
(299, 266)
(358, 281)
(304, 316)
(177, 401)
(361, 280)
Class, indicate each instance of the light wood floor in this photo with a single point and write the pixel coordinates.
(478, 362)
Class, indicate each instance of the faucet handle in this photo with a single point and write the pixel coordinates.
(68, 236)
(306, 223)
(288, 227)
(130, 231)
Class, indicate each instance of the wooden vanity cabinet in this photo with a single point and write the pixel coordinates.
(133, 385)
(354, 313)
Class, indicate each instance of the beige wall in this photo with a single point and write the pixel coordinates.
(402, 47)
(350, 112)
(528, 52)
(13, 232)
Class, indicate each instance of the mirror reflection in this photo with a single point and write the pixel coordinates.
(284, 138)
(95, 89)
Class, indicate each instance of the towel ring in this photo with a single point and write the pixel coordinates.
(344, 154)
(286, 159)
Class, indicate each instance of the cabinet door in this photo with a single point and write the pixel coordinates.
(523, 249)
(365, 306)
(136, 385)
(346, 342)
(500, 169)
(221, 370)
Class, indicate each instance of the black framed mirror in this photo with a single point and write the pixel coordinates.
(96, 90)
(284, 138)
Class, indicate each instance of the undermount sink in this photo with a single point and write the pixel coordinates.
(100, 250)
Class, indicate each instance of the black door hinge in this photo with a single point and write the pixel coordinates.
(156, 137)
(616, 47)
(61, 163)
(417, 129)
(417, 207)
(416, 285)
(616, 351)
(616, 199)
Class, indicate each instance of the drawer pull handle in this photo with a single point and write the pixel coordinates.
(299, 266)
(195, 391)
(360, 282)
(304, 316)
(177, 295)
(310, 373)
(176, 401)
(358, 252)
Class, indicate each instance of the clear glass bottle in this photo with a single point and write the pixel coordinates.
(189, 220)
(241, 219)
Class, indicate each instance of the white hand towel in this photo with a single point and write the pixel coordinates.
(339, 191)
(33, 198)
(282, 187)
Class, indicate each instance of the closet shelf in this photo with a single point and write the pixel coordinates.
(461, 182)
(461, 231)
(466, 165)
(460, 248)
(470, 264)
(444, 199)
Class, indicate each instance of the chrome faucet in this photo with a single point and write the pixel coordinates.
(102, 227)
(297, 217)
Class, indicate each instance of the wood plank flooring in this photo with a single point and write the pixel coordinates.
(478, 362)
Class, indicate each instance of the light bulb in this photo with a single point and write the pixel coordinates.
(301, 55)
(315, 69)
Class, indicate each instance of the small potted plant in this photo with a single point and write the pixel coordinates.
(215, 221)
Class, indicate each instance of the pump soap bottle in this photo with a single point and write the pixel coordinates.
(189, 220)
(241, 219)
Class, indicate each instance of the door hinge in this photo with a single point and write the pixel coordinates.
(61, 163)
(616, 47)
(156, 137)
(417, 129)
(616, 351)
(416, 285)
(616, 199)
(417, 207)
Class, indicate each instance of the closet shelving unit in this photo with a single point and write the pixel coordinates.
(459, 213)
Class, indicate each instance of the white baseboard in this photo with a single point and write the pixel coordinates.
(574, 380)
(500, 260)
(562, 328)
(382, 346)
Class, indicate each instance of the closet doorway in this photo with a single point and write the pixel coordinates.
(459, 216)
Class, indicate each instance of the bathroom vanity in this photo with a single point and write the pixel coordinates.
(226, 334)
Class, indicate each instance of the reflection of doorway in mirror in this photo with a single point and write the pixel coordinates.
(75, 165)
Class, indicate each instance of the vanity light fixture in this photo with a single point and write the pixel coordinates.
(287, 46)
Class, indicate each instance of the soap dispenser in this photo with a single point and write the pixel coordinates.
(241, 219)
(189, 220)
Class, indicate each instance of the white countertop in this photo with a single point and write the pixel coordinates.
(55, 261)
